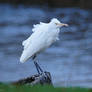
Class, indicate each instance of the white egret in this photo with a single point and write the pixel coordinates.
(44, 34)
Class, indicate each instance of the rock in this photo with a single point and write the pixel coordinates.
(43, 78)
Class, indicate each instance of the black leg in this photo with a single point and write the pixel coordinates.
(39, 70)
(39, 67)
(36, 67)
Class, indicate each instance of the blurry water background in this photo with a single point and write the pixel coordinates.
(69, 60)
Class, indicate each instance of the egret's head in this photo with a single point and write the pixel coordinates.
(55, 22)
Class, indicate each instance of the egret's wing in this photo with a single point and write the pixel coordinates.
(57, 38)
(26, 42)
(34, 43)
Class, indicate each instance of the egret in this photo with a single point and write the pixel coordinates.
(44, 34)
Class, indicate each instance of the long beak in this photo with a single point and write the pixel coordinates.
(62, 24)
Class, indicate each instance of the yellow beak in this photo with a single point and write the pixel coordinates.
(62, 24)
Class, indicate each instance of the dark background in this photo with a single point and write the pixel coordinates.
(87, 4)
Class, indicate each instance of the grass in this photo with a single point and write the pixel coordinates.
(39, 88)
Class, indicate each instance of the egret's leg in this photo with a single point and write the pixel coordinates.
(39, 67)
(36, 67)
(39, 70)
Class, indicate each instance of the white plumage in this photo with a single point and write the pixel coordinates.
(44, 34)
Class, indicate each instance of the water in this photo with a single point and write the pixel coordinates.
(69, 60)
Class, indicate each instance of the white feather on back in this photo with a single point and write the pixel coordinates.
(37, 26)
